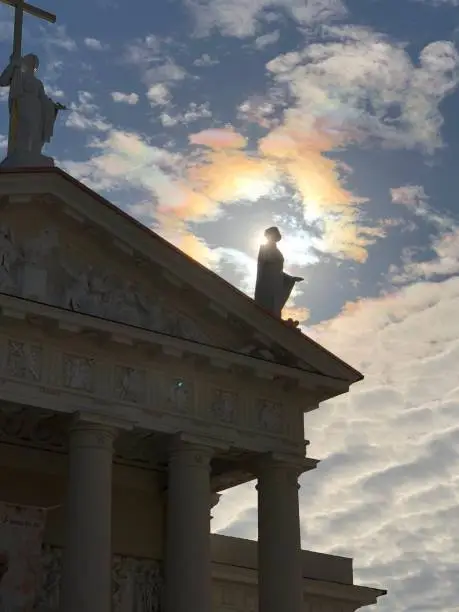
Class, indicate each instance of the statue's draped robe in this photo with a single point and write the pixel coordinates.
(35, 112)
(273, 286)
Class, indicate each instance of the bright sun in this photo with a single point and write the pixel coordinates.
(258, 239)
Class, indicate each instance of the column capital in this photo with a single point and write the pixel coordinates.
(98, 419)
(88, 431)
(202, 448)
(191, 453)
(293, 463)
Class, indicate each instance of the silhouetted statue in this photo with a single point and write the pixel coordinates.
(274, 286)
(32, 113)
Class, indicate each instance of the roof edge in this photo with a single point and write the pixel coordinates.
(293, 336)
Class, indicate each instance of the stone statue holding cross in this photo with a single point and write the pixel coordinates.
(32, 112)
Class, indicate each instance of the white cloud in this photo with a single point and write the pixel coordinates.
(205, 60)
(243, 18)
(257, 110)
(415, 199)
(443, 248)
(237, 268)
(192, 113)
(409, 195)
(54, 92)
(267, 39)
(166, 72)
(57, 37)
(158, 95)
(159, 71)
(363, 82)
(126, 98)
(144, 50)
(151, 55)
(127, 160)
(94, 44)
(85, 115)
(444, 263)
(386, 491)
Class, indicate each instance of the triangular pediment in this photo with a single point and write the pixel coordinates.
(63, 244)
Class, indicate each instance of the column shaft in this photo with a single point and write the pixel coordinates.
(86, 581)
(188, 556)
(280, 580)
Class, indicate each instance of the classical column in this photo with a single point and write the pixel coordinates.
(87, 576)
(188, 558)
(280, 580)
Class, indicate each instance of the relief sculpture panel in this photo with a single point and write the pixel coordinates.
(137, 583)
(24, 360)
(224, 406)
(200, 402)
(269, 416)
(180, 395)
(130, 384)
(78, 373)
(38, 269)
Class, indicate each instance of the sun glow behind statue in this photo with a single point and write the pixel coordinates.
(252, 189)
(297, 246)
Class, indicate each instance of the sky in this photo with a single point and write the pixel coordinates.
(210, 120)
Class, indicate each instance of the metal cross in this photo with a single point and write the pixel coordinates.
(21, 7)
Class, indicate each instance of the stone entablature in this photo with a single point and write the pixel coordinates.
(163, 391)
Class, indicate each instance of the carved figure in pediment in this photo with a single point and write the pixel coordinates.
(124, 305)
(155, 314)
(10, 256)
(40, 247)
(188, 329)
(37, 270)
(80, 295)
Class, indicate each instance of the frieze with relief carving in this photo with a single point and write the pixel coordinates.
(130, 384)
(269, 416)
(33, 427)
(137, 583)
(180, 395)
(24, 360)
(78, 373)
(224, 406)
(67, 375)
(36, 269)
